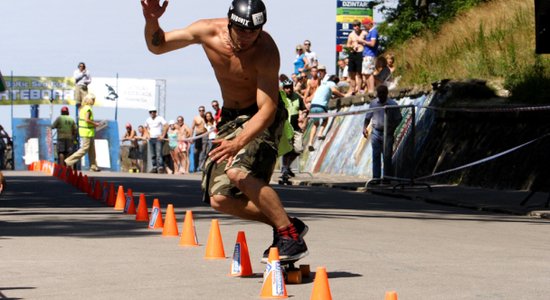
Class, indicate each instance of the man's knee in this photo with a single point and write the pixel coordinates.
(237, 177)
(219, 202)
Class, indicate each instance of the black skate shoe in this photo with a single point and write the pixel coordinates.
(290, 249)
(300, 226)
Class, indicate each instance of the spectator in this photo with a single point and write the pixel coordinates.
(369, 53)
(322, 74)
(66, 135)
(142, 141)
(86, 130)
(355, 56)
(133, 150)
(343, 70)
(3, 145)
(301, 84)
(312, 84)
(217, 110)
(294, 105)
(381, 74)
(310, 55)
(82, 79)
(211, 128)
(301, 63)
(391, 61)
(156, 126)
(173, 136)
(376, 120)
(201, 138)
(319, 104)
(184, 133)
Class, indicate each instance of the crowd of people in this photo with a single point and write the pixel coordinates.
(170, 142)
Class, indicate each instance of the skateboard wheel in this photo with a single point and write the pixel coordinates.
(294, 277)
(304, 269)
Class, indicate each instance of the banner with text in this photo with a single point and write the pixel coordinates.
(130, 93)
(347, 12)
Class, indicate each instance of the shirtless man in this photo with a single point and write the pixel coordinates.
(199, 127)
(246, 63)
(312, 85)
(355, 61)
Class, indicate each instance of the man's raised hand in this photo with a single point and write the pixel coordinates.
(152, 9)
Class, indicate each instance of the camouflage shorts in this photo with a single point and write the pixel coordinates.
(257, 158)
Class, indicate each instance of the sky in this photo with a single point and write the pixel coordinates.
(50, 38)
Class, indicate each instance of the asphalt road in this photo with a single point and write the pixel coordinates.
(57, 243)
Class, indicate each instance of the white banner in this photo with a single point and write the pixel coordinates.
(130, 93)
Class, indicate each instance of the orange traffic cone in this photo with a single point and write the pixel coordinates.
(214, 246)
(189, 234)
(84, 184)
(97, 190)
(155, 221)
(240, 266)
(391, 295)
(274, 283)
(120, 199)
(321, 288)
(130, 207)
(112, 197)
(171, 226)
(142, 213)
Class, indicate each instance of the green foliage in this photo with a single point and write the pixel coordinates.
(408, 20)
(531, 85)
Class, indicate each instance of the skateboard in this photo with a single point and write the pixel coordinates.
(293, 274)
(284, 180)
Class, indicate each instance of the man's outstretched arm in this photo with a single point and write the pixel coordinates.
(157, 40)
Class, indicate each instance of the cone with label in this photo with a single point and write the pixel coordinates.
(142, 214)
(120, 199)
(391, 295)
(155, 220)
(240, 266)
(170, 225)
(274, 283)
(130, 207)
(188, 233)
(214, 246)
(321, 288)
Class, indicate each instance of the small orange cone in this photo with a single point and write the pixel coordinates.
(214, 246)
(240, 266)
(97, 190)
(120, 199)
(112, 197)
(142, 213)
(321, 288)
(155, 220)
(274, 283)
(189, 234)
(130, 207)
(170, 226)
(391, 295)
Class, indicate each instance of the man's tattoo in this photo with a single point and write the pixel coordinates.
(157, 37)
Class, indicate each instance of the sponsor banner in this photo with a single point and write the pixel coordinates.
(346, 13)
(130, 93)
(352, 4)
(38, 90)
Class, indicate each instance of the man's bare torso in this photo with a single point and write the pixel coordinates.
(353, 41)
(236, 72)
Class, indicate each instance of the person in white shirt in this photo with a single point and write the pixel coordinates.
(156, 125)
(310, 55)
(81, 79)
